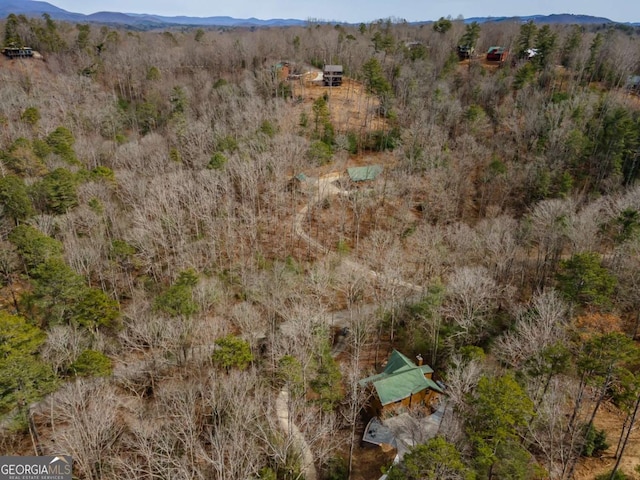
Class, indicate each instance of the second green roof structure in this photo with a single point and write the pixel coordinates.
(360, 174)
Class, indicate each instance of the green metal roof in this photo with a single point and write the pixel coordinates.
(426, 369)
(433, 385)
(400, 379)
(359, 174)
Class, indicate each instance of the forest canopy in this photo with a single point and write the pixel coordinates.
(192, 286)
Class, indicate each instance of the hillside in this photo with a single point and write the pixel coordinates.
(204, 250)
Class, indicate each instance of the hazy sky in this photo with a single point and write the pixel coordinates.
(359, 10)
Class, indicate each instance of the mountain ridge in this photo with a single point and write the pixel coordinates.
(563, 18)
(145, 20)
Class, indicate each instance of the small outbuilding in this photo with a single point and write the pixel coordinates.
(413, 45)
(497, 54)
(281, 70)
(362, 174)
(332, 75)
(633, 84)
(465, 52)
(17, 52)
(297, 182)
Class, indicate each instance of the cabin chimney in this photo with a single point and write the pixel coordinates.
(419, 358)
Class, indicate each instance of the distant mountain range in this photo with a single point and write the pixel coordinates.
(563, 18)
(35, 8)
(148, 21)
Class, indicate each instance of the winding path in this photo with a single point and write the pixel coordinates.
(323, 187)
(308, 468)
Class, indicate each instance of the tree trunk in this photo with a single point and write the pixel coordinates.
(578, 403)
(636, 326)
(622, 430)
(544, 391)
(490, 474)
(626, 438)
(351, 448)
(603, 392)
(575, 453)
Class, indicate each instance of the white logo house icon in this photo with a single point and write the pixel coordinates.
(59, 466)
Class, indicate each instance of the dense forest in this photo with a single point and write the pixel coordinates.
(191, 286)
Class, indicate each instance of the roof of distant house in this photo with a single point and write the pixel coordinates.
(400, 379)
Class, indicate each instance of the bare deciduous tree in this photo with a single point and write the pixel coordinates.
(550, 222)
(538, 326)
(85, 424)
(471, 296)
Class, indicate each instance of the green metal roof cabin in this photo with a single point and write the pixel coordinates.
(402, 383)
